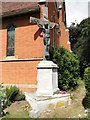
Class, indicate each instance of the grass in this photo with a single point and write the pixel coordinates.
(17, 114)
(18, 109)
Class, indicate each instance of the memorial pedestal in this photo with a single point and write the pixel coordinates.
(47, 78)
(47, 90)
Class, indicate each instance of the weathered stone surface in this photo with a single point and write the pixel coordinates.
(47, 78)
(34, 114)
(42, 103)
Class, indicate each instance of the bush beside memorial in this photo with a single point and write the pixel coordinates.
(13, 94)
(68, 72)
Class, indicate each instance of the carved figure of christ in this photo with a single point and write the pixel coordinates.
(46, 26)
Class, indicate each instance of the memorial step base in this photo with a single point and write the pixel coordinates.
(40, 104)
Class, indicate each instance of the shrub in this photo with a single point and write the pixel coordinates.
(68, 72)
(19, 97)
(87, 84)
(13, 94)
(3, 100)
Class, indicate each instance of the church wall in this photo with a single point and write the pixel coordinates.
(64, 37)
(52, 15)
(21, 69)
(29, 44)
(28, 38)
(64, 32)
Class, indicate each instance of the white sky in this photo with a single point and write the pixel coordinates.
(76, 10)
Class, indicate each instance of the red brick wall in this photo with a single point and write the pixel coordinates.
(28, 38)
(28, 45)
(64, 38)
(53, 15)
(22, 72)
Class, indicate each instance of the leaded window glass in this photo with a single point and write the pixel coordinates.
(10, 41)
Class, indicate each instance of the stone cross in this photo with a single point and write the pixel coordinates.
(46, 26)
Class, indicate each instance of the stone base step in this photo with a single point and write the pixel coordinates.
(40, 104)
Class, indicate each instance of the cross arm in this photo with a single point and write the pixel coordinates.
(41, 22)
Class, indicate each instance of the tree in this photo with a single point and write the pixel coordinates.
(80, 43)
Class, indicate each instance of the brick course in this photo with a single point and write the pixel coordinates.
(22, 72)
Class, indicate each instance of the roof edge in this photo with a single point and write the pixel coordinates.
(20, 13)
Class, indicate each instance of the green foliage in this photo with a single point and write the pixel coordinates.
(2, 94)
(68, 72)
(80, 43)
(19, 97)
(13, 94)
(87, 84)
(3, 99)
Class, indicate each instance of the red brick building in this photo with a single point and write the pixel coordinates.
(21, 42)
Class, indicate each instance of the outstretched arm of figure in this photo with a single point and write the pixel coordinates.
(39, 24)
(37, 21)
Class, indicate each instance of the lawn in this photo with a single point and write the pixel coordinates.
(18, 109)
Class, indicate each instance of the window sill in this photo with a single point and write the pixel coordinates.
(10, 58)
(15, 59)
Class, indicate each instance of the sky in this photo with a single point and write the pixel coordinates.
(76, 10)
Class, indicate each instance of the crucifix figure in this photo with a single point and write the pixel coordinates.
(46, 26)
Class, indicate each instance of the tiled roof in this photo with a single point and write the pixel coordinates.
(12, 8)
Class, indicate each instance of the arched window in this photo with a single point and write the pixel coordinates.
(10, 40)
